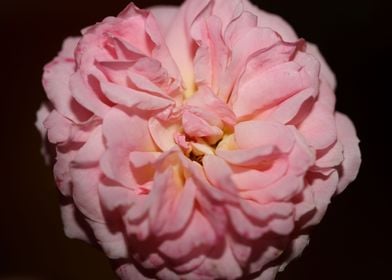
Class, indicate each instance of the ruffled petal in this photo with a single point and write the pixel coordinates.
(274, 85)
(134, 99)
(275, 22)
(74, 224)
(124, 132)
(319, 127)
(56, 80)
(252, 134)
(198, 237)
(351, 153)
(251, 179)
(171, 198)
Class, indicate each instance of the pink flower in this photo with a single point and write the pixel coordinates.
(198, 142)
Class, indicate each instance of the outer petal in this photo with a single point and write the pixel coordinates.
(87, 92)
(260, 88)
(352, 155)
(272, 21)
(326, 72)
(74, 224)
(319, 128)
(85, 192)
(61, 171)
(331, 157)
(56, 79)
(128, 271)
(286, 111)
(198, 237)
(224, 267)
(113, 242)
(42, 114)
(92, 150)
(323, 188)
(58, 128)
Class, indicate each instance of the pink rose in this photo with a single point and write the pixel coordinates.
(198, 142)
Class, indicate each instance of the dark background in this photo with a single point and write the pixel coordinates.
(352, 242)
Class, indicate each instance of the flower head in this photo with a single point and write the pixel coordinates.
(197, 142)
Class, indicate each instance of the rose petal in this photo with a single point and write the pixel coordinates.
(352, 154)
(92, 150)
(319, 128)
(178, 38)
(272, 21)
(251, 179)
(326, 72)
(195, 126)
(270, 88)
(206, 100)
(56, 80)
(226, 266)
(132, 98)
(88, 94)
(164, 15)
(323, 189)
(258, 156)
(243, 226)
(252, 134)
(198, 237)
(112, 242)
(212, 56)
(85, 192)
(283, 190)
(124, 133)
(128, 271)
(170, 201)
(74, 224)
(330, 157)
(286, 111)
(163, 132)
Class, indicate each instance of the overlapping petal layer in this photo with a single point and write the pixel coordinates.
(198, 142)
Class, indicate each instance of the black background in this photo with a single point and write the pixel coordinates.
(352, 242)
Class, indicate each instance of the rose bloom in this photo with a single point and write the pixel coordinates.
(195, 142)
